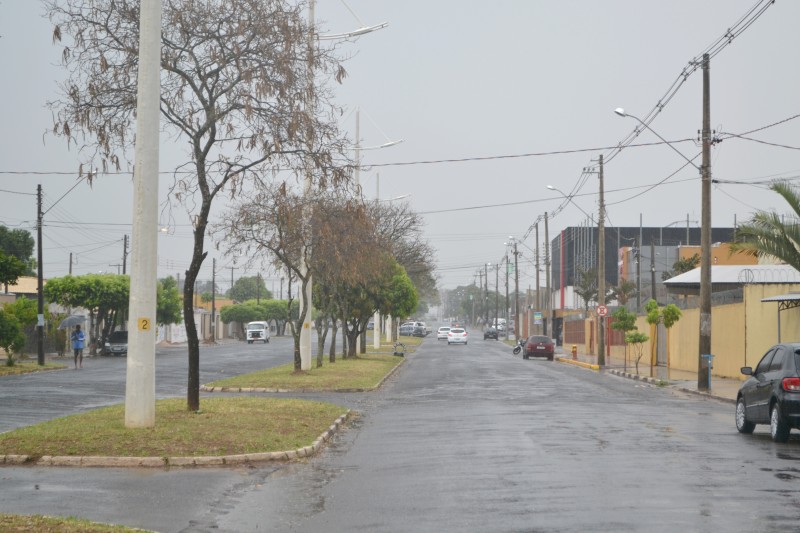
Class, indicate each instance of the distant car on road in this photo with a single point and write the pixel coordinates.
(257, 331)
(441, 333)
(116, 344)
(539, 346)
(490, 333)
(457, 336)
(771, 395)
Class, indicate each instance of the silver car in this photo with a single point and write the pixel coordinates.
(457, 336)
(441, 334)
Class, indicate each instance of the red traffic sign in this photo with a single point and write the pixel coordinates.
(602, 310)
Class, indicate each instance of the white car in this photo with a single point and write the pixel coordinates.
(441, 334)
(257, 331)
(457, 336)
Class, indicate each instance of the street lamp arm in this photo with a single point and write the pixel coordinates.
(355, 33)
(569, 199)
(621, 112)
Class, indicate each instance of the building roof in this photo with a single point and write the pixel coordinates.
(24, 285)
(725, 277)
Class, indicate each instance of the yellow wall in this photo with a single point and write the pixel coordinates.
(740, 333)
(720, 255)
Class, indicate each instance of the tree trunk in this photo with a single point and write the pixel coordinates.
(332, 353)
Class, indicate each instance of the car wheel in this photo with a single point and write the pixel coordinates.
(777, 425)
(249, 342)
(448, 343)
(742, 424)
(550, 358)
(266, 341)
(525, 356)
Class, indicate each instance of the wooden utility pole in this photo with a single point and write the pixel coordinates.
(703, 371)
(601, 272)
(39, 279)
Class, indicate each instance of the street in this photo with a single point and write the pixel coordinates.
(462, 438)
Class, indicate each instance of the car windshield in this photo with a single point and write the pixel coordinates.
(539, 338)
(118, 337)
(456, 330)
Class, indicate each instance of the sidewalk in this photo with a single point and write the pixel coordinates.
(724, 389)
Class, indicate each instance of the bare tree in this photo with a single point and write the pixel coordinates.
(316, 233)
(236, 93)
(401, 232)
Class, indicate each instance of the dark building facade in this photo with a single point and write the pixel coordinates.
(574, 249)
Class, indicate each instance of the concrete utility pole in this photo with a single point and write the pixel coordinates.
(508, 323)
(125, 255)
(40, 279)
(305, 295)
(140, 385)
(214, 300)
(705, 235)
(536, 262)
(547, 272)
(496, 292)
(517, 321)
(654, 294)
(601, 272)
(486, 292)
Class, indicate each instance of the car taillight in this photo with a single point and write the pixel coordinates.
(791, 384)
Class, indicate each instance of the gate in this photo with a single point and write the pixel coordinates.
(661, 345)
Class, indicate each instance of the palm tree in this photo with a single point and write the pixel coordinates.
(768, 233)
(624, 291)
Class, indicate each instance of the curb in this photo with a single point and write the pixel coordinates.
(647, 379)
(582, 364)
(150, 462)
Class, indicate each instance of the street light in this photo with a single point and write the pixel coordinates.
(704, 344)
(621, 112)
(569, 199)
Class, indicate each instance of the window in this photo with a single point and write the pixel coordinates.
(763, 365)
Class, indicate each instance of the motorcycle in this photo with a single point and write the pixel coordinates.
(520, 345)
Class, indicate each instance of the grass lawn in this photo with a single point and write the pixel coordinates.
(50, 524)
(25, 367)
(224, 426)
(363, 372)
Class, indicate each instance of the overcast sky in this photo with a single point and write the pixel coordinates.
(474, 82)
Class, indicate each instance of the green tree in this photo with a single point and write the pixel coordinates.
(625, 321)
(168, 302)
(11, 338)
(18, 243)
(636, 339)
(769, 233)
(682, 265)
(249, 288)
(11, 269)
(623, 292)
(586, 287)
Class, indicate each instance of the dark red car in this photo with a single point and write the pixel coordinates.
(539, 346)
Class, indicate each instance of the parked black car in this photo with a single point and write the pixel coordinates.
(490, 333)
(771, 395)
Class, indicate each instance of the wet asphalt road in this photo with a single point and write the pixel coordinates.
(464, 438)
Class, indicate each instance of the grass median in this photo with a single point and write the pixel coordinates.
(364, 372)
(56, 524)
(26, 367)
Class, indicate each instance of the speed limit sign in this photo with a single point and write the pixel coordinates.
(602, 310)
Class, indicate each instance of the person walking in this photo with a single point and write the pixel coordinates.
(78, 338)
